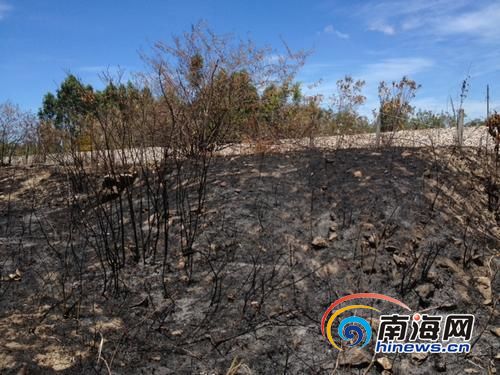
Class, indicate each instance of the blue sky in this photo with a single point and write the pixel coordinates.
(436, 42)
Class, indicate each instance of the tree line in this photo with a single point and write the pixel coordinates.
(204, 90)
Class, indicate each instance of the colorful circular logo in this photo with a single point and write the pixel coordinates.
(354, 329)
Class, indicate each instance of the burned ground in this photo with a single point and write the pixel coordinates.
(282, 236)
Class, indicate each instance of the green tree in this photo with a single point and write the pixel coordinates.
(67, 109)
(279, 102)
(122, 116)
(243, 111)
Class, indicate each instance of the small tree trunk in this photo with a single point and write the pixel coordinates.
(378, 123)
(460, 127)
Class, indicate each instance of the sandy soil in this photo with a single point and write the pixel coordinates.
(472, 137)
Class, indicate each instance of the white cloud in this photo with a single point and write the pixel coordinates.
(409, 8)
(383, 28)
(395, 68)
(413, 23)
(477, 18)
(341, 35)
(4, 9)
(483, 23)
(329, 29)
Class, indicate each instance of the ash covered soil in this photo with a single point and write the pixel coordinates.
(282, 236)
